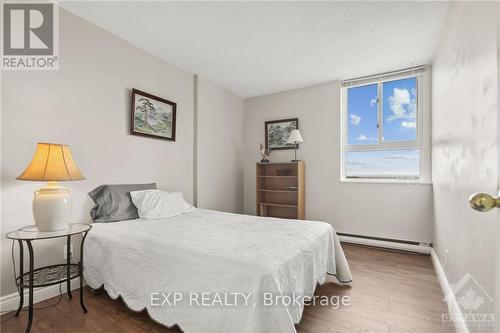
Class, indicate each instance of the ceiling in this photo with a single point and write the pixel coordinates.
(256, 48)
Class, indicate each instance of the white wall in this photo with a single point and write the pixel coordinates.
(220, 148)
(497, 251)
(397, 211)
(465, 146)
(86, 104)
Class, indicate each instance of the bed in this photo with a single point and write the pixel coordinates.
(214, 253)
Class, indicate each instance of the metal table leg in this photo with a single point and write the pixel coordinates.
(68, 267)
(81, 273)
(32, 268)
(21, 272)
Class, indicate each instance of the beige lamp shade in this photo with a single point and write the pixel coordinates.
(52, 162)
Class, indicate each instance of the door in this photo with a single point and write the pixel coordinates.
(488, 204)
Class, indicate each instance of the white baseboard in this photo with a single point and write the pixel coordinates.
(386, 244)
(11, 302)
(453, 307)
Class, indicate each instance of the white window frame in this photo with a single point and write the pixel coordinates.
(422, 143)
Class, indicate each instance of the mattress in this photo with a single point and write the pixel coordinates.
(229, 258)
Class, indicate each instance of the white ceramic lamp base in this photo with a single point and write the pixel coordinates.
(52, 207)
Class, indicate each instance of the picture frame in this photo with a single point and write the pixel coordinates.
(152, 116)
(278, 131)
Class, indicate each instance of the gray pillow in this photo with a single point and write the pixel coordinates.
(113, 202)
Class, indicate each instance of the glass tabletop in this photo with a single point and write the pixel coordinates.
(31, 232)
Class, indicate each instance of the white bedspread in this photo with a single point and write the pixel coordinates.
(211, 251)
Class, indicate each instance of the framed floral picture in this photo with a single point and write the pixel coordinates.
(278, 131)
(152, 116)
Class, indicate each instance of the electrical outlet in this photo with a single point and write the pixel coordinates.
(70, 251)
(446, 257)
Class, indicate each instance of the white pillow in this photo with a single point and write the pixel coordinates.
(156, 204)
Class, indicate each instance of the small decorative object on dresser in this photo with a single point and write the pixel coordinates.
(294, 139)
(265, 153)
(281, 190)
(52, 203)
(152, 116)
(278, 132)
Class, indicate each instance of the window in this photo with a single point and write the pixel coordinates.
(383, 128)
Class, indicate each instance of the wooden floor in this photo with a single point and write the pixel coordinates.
(391, 292)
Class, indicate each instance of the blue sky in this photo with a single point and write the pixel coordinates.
(399, 107)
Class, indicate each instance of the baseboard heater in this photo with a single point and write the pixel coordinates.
(387, 243)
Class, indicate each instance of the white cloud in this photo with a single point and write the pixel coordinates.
(399, 101)
(409, 124)
(362, 137)
(401, 157)
(402, 105)
(355, 119)
(373, 101)
(363, 164)
(412, 109)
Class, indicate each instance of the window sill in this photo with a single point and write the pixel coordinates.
(386, 181)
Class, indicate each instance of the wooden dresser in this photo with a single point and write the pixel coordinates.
(280, 190)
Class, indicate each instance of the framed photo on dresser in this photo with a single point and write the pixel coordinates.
(278, 131)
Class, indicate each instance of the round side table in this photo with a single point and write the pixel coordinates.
(47, 275)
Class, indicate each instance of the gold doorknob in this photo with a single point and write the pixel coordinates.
(483, 202)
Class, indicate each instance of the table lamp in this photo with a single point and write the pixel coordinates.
(295, 138)
(52, 203)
